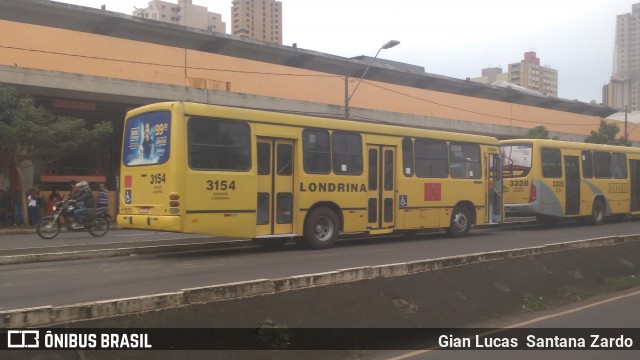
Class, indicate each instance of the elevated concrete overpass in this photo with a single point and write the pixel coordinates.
(129, 94)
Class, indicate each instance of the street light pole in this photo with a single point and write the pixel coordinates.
(389, 44)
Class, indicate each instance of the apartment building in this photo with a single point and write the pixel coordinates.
(527, 75)
(531, 75)
(623, 89)
(183, 13)
(257, 19)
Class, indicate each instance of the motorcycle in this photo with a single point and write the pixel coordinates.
(96, 221)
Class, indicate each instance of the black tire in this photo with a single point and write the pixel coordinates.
(48, 228)
(597, 212)
(321, 229)
(271, 243)
(98, 227)
(460, 224)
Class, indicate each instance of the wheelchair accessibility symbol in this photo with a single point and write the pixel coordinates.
(403, 200)
(127, 196)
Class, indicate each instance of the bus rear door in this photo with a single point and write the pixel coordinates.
(381, 189)
(275, 187)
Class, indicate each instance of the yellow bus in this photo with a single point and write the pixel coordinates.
(272, 176)
(553, 180)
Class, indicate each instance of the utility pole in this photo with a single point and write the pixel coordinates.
(389, 44)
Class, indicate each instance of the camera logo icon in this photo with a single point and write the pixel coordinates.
(21, 339)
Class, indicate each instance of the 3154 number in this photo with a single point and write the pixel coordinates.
(158, 178)
(221, 185)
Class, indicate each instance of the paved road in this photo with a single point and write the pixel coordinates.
(620, 309)
(70, 282)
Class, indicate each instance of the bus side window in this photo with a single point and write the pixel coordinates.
(432, 158)
(602, 165)
(551, 163)
(619, 165)
(407, 156)
(587, 165)
(347, 153)
(316, 151)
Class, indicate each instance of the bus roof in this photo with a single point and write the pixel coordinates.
(572, 145)
(300, 120)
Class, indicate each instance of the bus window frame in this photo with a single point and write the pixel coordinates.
(589, 161)
(596, 167)
(431, 158)
(209, 120)
(336, 165)
(408, 161)
(557, 173)
(619, 165)
(476, 162)
(305, 151)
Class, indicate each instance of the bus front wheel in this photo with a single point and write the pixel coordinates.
(321, 229)
(597, 212)
(460, 222)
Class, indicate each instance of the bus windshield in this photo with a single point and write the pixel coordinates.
(517, 160)
(147, 139)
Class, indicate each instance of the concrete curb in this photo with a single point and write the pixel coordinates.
(48, 315)
(123, 251)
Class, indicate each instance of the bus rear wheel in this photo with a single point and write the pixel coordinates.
(460, 222)
(597, 212)
(321, 229)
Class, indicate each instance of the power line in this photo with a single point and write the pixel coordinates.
(166, 65)
(471, 111)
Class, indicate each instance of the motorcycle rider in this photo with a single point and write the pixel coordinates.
(84, 201)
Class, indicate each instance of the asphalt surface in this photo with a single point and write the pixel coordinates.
(119, 242)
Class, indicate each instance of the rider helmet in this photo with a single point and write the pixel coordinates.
(82, 185)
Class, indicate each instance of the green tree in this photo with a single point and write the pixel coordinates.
(538, 132)
(31, 132)
(606, 134)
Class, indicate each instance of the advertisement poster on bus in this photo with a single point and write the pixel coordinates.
(147, 139)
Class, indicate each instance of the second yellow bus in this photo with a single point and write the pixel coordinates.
(553, 180)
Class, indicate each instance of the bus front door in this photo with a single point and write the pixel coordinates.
(275, 187)
(572, 185)
(381, 188)
(635, 184)
(495, 201)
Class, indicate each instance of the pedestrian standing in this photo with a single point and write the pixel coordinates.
(33, 208)
(103, 196)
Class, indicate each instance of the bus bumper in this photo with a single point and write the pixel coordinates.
(150, 222)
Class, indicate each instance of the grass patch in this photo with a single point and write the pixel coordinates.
(622, 283)
(533, 303)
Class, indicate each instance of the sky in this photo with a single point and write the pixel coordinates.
(454, 38)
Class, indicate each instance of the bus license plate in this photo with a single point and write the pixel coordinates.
(144, 210)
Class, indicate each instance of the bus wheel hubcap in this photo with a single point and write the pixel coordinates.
(324, 229)
(460, 222)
